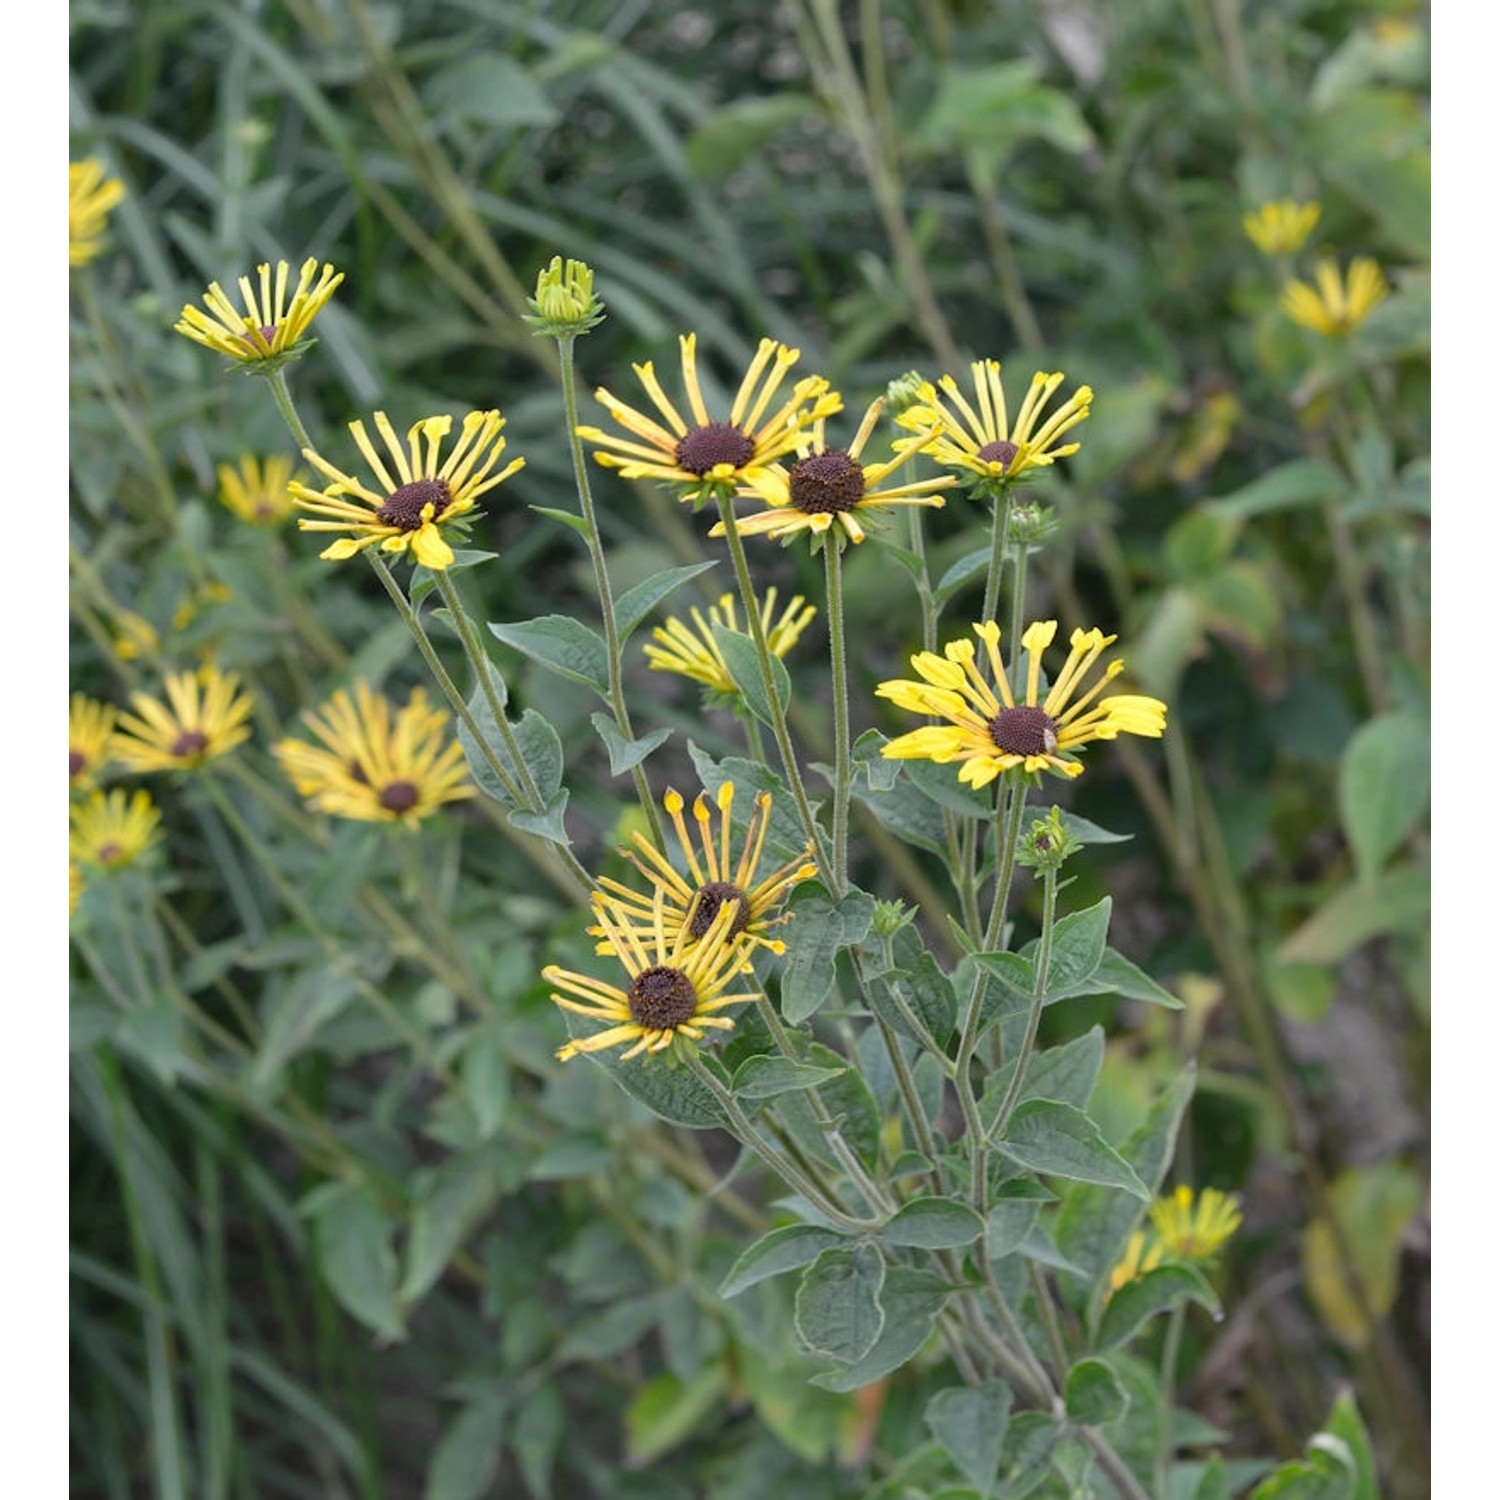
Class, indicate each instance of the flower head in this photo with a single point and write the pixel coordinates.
(692, 651)
(135, 636)
(257, 490)
(981, 438)
(990, 729)
(203, 718)
(1195, 1230)
(709, 455)
(269, 328)
(1281, 228)
(1140, 1255)
(91, 195)
(827, 488)
(91, 732)
(1335, 307)
(408, 508)
(564, 304)
(689, 904)
(377, 763)
(112, 830)
(678, 983)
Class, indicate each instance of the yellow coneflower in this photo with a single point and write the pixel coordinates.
(991, 730)
(111, 830)
(1138, 1257)
(826, 487)
(1281, 228)
(135, 637)
(203, 718)
(91, 196)
(256, 490)
(678, 984)
(91, 731)
(710, 456)
(1335, 307)
(981, 438)
(1195, 1230)
(407, 510)
(379, 764)
(268, 325)
(714, 879)
(692, 651)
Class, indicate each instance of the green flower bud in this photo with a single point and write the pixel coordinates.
(564, 303)
(1046, 844)
(890, 917)
(905, 391)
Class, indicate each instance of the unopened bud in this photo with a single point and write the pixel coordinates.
(564, 303)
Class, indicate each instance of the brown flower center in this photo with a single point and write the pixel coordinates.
(109, 853)
(1024, 731)
(703, 448)
(77, 761)
(404, 509)
(398, 797)
(1001, 452)
(662, 998)
(824, 484)
(711, 898)
(189, 743)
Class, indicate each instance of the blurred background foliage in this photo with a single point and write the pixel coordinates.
(340, 1224)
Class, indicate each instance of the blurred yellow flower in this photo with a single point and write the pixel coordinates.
(1195, 1230)
(91, 195)
(991, 730)
(112, 830)
(379, 764)
(135, 637)
(709, 456)
(406, 512)
(75, 887)
(1335, 307)
(256, 490)
(1281, 228)
(1138, 1258)
(692, 651)
(269, 324)
(202, 719)
(91, 731)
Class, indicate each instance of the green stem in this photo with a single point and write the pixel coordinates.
(924, 579)
(999, 539)
(284, 404)
(833, 558)
(1168, 1386)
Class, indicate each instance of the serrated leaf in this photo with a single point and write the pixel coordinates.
(820, 928)
(837, 1307)
(625, 755)
(743, 663)
(1156, 1291)
(1093, 1395)
(635, 604)
(971, 1425)
(911, 1300)
(933, 1224)
(786, 1249)
(764, 1077)
(1385, 778)
(562, 645)
(1061, 1141)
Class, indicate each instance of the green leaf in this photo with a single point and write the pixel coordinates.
(467, 1456)
(635, 604)
(1009, 981)
(971, 1426)
(993, 109)
(666, 1088)
(911, 1299)
(734, 133)
(1155, 1292)
(819, 929)
(942, 785)
(933, 1224)
(786, 1249)
(743, 662)
(609, 1331)
(1346, 1424)
(561, 644)
(1385, 777)
(489, 87)
(1011, 1217)
(837, 1308)
(1327, 1473)
(567, 517)
(785, 838)
(1116, 975)
(1066, 1074)
(423, 580)
(625, 755)
(540, 751)
(1093, 1395)
(1077, 948)
(1061, 1141)
(849, 1101)
(666, 1410)
(547, 824)
(1026, 1457)
(763, 1077)
(924, 989)
(1400, 900)
(448, 1203)
(352, 1241)
(536, 1435)
(1304, 481)
(971, 566)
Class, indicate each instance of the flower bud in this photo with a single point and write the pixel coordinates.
(565, 304)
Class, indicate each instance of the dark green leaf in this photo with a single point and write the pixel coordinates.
(1093, 1395)
(1017, 1203)
(820, 928)
(971, 1425)
(972, 565)
(923, 989)
(1061, 1141)
(545, 825)
(1155, 1292)
(911, 1300)
(837, 1308)
(764, 1077)
(423, 581)
(736, 131)
(1384, 781)
(447, 1203)
(635, 604)
(467, 1456)
(933, 1224)
(561, 644)
(786, 838)
(541, 751)
(625, 755)
(535, 1436)
(786, 1249)
(1077, 948)
(1303, 481)
(743, 662)
(352, 1238)
(567, 517)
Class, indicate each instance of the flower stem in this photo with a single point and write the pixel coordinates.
(282, 392)
(1170, 1348)
(833, 557)
(999, 537)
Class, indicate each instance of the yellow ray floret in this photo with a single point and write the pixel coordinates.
(692, 650)
(256, 490)
(1281, 228)
(1195, 1230)
(203, 718)
(91, 196)
(267, 323)
(1334, 306)
(91, 732)
(112, 829)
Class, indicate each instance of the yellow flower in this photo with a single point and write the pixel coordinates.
(693, 652)
(202, 719)
(708, 455)
(111, 830)
(135, 637)
(1195, 1231)
(984, 440)
(203, 597)
(380, 764)
(408, 511)
(827, 486)
(1137, 1259)
(257, 490)
(269, 325)
(1335, 307)
(679, 904)
(1281, 228)
(75, 887)
(677, 984)
(989, 733)
(91, 195)
(91, 731)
